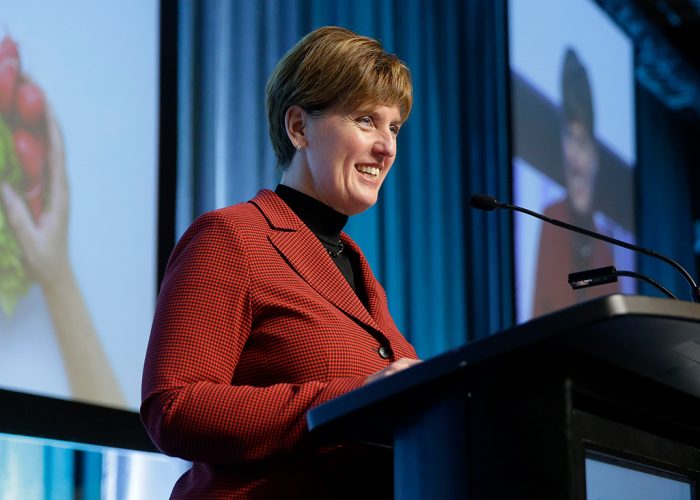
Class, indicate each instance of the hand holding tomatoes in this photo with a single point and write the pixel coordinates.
(33, 182)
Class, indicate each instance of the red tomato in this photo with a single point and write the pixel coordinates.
(30, 104)
(9, 73)
(8, 48)
(31, 153)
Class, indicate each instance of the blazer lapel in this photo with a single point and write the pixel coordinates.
(375, 295)
(305, 253)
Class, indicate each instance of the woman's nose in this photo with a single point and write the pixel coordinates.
(386, 144)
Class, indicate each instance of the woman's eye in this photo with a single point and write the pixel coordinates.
(394, 129)
(365, 120)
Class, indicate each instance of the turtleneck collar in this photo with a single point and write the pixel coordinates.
(323, 221)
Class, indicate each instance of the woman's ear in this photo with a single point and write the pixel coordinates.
(295, 122)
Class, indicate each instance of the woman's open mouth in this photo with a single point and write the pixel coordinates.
(371, 171)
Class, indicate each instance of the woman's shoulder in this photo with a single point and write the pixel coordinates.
(218, 233)
(242, 216)
(241, 221)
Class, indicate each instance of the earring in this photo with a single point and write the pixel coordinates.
(298, 146)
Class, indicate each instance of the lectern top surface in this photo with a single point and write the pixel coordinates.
(655, 338)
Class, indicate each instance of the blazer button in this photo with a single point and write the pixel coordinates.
(384, 352)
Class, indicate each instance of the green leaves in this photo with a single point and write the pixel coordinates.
(14, 281)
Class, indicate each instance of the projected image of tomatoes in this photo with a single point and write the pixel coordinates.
(23, 157)
(9, 73)
(23, 109)
(30, 104)
(31, 154)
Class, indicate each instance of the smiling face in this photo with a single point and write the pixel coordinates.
(581, 166)
(345, 157)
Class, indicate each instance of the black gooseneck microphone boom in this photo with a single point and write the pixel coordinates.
(486, 202)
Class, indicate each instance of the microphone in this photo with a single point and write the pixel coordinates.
(485, 202)
(602, 275)
(489, 203)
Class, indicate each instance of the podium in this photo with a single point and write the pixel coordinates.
(530, 412)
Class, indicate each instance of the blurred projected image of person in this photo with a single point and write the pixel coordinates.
(562, 252)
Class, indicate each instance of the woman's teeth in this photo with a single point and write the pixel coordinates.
(374, 171)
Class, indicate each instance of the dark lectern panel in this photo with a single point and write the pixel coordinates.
(501, 418)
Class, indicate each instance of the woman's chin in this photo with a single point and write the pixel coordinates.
(360, 203)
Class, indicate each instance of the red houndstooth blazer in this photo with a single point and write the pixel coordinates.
(254, 326)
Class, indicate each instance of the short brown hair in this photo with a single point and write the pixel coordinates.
(333, 68)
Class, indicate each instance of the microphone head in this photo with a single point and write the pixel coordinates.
(483, 202)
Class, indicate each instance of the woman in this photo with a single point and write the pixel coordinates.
(267, 309)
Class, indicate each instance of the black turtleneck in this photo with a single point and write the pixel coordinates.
(326, 224)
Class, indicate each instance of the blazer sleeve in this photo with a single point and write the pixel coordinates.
(202, 321)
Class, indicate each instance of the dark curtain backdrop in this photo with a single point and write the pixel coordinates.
(664, 214)
(445, 268)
